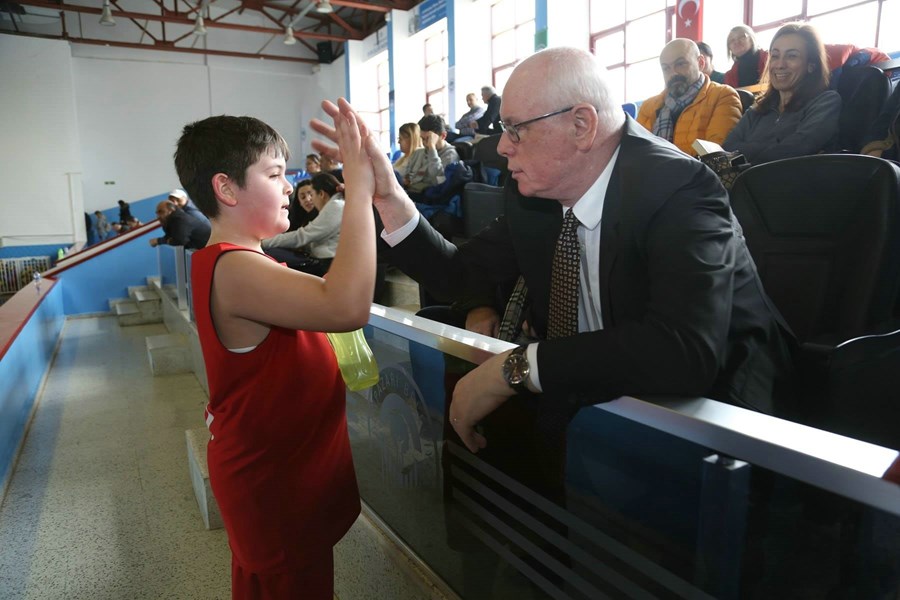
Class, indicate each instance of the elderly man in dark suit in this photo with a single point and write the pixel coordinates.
(667, 298)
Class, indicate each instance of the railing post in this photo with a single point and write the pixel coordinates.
(722, 525)
(181, 277)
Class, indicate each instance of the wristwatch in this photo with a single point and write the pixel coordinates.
(516, 370)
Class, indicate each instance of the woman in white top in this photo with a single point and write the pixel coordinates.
(311, 248)
(410, 141)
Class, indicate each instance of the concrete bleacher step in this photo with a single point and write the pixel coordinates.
(169, 353)
(400, 291)
(197, 439)
(128, 313)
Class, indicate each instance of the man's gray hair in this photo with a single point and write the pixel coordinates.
(579, 77)
(490, 89)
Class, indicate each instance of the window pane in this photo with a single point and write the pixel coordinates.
(642, 80)
(524, 11)
(645, 37)
(852, 26)
(616, 79)
(764, 38)
(610, 49)
(767, 11)
(641, 8)
(815, 7)
(525, 40)
(502, 16)
(606, 14)
(436, 100)
(501, 77)
(435, 76)
(890, 16)
(383, 96)
(718, 19)
(504, 48)
(434, 49)
(382, 72)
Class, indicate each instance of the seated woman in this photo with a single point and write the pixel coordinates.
(302, 209)
(311, 248)
(410, 142)
(797, 114)
(749, 58)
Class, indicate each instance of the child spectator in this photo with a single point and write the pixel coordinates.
(279, 454)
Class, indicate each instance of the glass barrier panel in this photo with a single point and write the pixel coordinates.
(602, 505)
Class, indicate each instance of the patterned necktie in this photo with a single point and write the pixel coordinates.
(563, 318)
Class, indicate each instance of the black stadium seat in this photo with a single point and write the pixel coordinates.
(824, 232)
(863, 91)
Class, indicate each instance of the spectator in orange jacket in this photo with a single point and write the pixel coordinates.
(691, 106)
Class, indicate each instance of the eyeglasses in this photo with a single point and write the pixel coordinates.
(513, 128)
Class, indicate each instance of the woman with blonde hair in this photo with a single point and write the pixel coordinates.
(749, 58)
(410, 140)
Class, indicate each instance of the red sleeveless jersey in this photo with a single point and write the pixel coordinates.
(279, 458)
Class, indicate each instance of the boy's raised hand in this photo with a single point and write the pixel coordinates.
(386, 184)
(352, 136)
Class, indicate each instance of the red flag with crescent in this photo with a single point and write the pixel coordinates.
(689, 20)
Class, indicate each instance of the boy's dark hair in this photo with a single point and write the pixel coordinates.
(325, 182)
(704, 49)
(222, 144)
(433, 123)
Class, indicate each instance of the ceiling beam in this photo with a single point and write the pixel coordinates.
(182, 21)
(169, 47)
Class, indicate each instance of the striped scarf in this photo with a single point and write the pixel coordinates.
(672, 108)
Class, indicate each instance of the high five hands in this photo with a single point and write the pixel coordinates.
(386, 185)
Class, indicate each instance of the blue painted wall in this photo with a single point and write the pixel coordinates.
(88, 287)
(21, 371)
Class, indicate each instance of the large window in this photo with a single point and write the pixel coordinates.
(838, 21)
(512, 38)
(436, 72)
(627, 36)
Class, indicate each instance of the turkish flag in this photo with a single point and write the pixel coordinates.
(689, 20)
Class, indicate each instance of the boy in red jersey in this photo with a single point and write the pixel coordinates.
(279, 455)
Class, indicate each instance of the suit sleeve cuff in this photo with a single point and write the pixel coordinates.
(398, 235)
(534, 380)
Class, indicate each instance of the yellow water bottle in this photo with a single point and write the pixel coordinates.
(355, 359)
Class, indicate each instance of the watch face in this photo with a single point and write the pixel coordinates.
(515, 369)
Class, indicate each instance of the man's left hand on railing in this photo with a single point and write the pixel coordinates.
(477, 395)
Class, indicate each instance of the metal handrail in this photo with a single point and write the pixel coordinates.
(838, 464)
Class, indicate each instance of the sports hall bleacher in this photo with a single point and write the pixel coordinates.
(104, 491)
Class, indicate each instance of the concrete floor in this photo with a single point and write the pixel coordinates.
(100, 504)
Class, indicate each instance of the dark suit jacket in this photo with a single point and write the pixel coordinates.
(184, 230)
(684, 311)
(491, 117)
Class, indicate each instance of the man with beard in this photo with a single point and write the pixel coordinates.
(691, 107)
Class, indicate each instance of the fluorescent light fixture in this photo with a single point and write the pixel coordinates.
(106, 17)
(324, 6)
(289, 39)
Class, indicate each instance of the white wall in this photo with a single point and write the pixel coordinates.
(39, 147)
(130, 114)
(115, 114)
